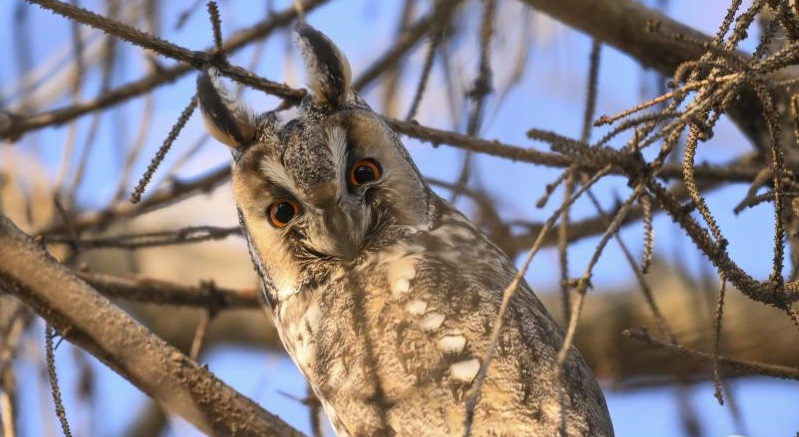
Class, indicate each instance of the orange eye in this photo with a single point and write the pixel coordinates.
(365, 171)
(282, 212)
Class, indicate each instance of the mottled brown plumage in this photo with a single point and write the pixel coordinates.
(383, 294)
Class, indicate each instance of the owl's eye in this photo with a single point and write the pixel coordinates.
(281, 212)
(365, 171)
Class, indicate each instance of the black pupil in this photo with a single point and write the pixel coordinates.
(364, 174)
(284, 212)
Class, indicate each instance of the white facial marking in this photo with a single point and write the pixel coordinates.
(276, 173)
(416, 307)
(453, 344)
(337, 143)
(465, 370)
(432, 321)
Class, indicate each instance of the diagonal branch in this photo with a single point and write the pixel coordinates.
(88, 320)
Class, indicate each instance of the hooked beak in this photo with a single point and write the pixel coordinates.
(344, 233)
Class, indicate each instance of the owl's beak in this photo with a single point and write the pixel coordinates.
(343, 233)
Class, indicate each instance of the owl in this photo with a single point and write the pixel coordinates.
(383, 294)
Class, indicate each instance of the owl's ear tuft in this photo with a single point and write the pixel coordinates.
(229, 121)
(328, 70)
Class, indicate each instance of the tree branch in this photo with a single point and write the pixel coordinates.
(655, 41)
(12, 126)
(88, 320)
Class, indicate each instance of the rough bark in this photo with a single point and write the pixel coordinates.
(89, 320)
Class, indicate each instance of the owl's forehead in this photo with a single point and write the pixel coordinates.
(302, 151)
(296, 153)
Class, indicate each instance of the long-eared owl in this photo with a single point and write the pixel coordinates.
(383, 294)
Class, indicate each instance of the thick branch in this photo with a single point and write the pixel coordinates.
(85, 318)
(751, 332)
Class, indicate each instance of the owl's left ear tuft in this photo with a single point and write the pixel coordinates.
(328, 70)
(229, 121)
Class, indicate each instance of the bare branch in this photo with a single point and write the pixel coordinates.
(772, 370)
(642, 32)
(85, 318)
(16, 124)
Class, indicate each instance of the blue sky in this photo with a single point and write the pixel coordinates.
(550, 97)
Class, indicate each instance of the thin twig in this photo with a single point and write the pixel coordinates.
(717, 340)
(188, 235)
(216, 24)
(135, 197)
(52, 376)
(649, 232)
(145, 290)
(19, 125)
(414, 33)
(474, 393)
(585, 280)
(432, 46)
(737, 366)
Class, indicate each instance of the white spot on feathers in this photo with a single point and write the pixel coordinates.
(303, 353)
(416, 307)
(432, 321)
(285, 292)
(401, 285)
(400, 273)
(465, 370)
(313, 315)
(452, 344)
(276, 172)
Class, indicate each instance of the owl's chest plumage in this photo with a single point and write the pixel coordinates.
(379, 329)
(383, 294)
(392, 342)
(384, 289)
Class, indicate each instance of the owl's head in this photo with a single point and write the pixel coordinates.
(321, 185)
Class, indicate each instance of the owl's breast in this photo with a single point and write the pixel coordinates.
(407, 327)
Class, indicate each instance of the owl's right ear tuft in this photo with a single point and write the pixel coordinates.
(227, 120)
(328, 70)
